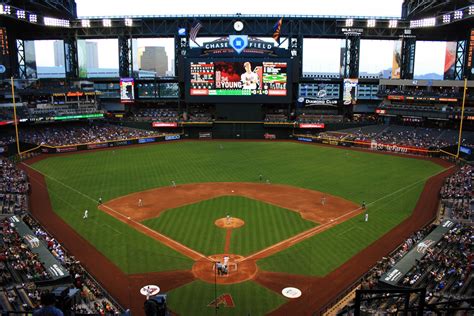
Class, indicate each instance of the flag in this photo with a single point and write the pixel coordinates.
(194, 30)
(276, 30)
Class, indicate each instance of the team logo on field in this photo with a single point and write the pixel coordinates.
(225, 300)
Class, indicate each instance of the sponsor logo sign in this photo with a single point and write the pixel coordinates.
(164, 124)
(66, 149)
(95, 146)
(33, 241)
(269, 136)
(146, 140)
(172, 137)
(305, 139)
(311, 125)
(424, 245)
(238, 42)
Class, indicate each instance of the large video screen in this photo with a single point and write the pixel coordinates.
(238, 80)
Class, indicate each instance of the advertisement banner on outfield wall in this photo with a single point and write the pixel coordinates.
(391, 147)
(66, 149)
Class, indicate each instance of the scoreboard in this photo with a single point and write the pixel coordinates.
(250, 79)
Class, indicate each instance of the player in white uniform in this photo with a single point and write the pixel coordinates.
(249, 79)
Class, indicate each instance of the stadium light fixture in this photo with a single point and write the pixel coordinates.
(107, 22)
(21, 14)
(447, 18)
(471, 10)
(5, 9)
(458, 15)
(33, 18)
(86, 23)
(392, 24)
(371, 23)
(128, 22)
(56, 22)
(349, 22)
(428, 22)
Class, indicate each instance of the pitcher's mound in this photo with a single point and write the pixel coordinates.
(236, 271)
(233, 222)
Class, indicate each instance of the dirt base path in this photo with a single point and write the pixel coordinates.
(304, 201)
(126, 288)
(122, 287)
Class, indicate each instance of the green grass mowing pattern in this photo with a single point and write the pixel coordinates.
(132, 251)
(353, 175)
(265, 225)
(249, 299)
(324, 252)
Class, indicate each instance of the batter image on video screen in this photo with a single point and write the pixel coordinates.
(230, 78)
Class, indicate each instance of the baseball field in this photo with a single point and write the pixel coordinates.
(287, 214)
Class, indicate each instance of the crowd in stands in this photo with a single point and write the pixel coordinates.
(6, 140)
(408, 136)
(413, 91)
(447, 268)
(14, 188)
(93, 298)
(70, 135)
(157, 114)
(456, 195)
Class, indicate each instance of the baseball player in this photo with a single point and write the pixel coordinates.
(140, 202)
(323, 201)
(249, 79)
(86, 214)
(173, 183)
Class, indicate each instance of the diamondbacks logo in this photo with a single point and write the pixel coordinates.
(225, 299)
(32, 240)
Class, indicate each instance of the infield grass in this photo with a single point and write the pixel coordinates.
(265, 225)
(76, 181)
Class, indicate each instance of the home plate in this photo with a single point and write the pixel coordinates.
(291, 292)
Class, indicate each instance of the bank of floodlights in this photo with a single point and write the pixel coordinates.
(371, 23)
(349, 22)
(447, 18)
(86, 23)
(458, 15)
(33, 18)
(393, 24)
(21, 14)
(128, 22)
(5, 9)
(107, 22)
(48, 21)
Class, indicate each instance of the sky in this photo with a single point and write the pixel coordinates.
(318, 55)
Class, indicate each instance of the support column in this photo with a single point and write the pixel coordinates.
(125, 56)
(407, 66)
(350, 58)
(71, 63)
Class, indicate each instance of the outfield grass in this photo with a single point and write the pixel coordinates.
(326, 251)
(265, 225)
(249, 299)
(352, 175)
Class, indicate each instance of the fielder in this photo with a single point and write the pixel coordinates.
(86, 214)
(140, 202)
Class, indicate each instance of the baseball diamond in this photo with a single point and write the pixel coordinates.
(182, 158)
(286, 233)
